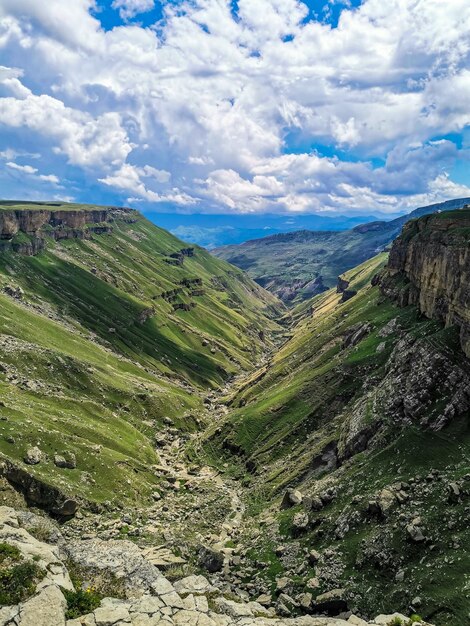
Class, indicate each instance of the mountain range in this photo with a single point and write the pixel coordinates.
(215, 230)
(298, 265)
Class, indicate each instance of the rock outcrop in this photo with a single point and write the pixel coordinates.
(36, 491)
(25, 229)
(429, 266)
(150, 599)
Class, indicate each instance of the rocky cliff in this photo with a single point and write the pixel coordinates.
(24, 230)
(429, 266)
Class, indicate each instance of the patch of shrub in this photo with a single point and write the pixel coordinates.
(9, 552)
(81, 602)
(18, 578)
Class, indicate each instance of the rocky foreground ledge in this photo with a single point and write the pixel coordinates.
(147, 597)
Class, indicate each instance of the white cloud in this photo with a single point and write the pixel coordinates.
(129, 179)
(131, 8)
(27, 169)
(49, 178)
(85, 140)
(202, 108)
(33, 171)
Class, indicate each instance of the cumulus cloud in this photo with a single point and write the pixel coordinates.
(129, 179)
(131, 8)
(243, 111)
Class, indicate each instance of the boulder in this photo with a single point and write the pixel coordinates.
(415, 533)
(348, 294)
(292, 497)
(355, 334)
(33, 456)
(300, 522)
(313, 557)
(196, 585)
(454, 492)
(66, 463)
(210, 559)
(332, 602)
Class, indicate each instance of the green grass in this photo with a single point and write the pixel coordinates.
(83, 368)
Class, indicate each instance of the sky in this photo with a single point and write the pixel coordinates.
(236, 106)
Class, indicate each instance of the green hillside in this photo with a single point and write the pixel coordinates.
(349, 412)
(95, 352)
(296, 266)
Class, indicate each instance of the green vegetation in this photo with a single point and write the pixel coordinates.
(81, 602)
(18, 577)
(94, 354)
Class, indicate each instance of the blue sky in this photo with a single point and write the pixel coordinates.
(279, 106)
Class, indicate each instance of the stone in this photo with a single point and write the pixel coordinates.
(66, 463)
(173, 600)
(328, 496)
(313, 583)
(47, 608)
(313, 557)
(210, 559)
(385, 620)
(33, 456)
(233, 609)
(108, 616)
(122, 559)
(454, 492)
(356, 621)
(415, 533)
(333, 602)
(282, 583)
(348, 294)
(356, 333)
(300, 522)
(14, 291)
(196, 585)
(317, 504)
(162, 557)
(292, 497)
(305, 600)
(264, 599)
(400, 576)
(147, 604)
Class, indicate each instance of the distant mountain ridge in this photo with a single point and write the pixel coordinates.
(213, 231)
(300, 264)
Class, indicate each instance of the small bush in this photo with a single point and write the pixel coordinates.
(9, 552)
(81, 602)
(414, 619)
(18, 582)
(396, 621)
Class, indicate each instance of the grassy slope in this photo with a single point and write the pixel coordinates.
(280, 260)
(291, 410)
(68, 382)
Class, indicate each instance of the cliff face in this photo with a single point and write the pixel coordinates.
(35, 224)
(429, 266)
